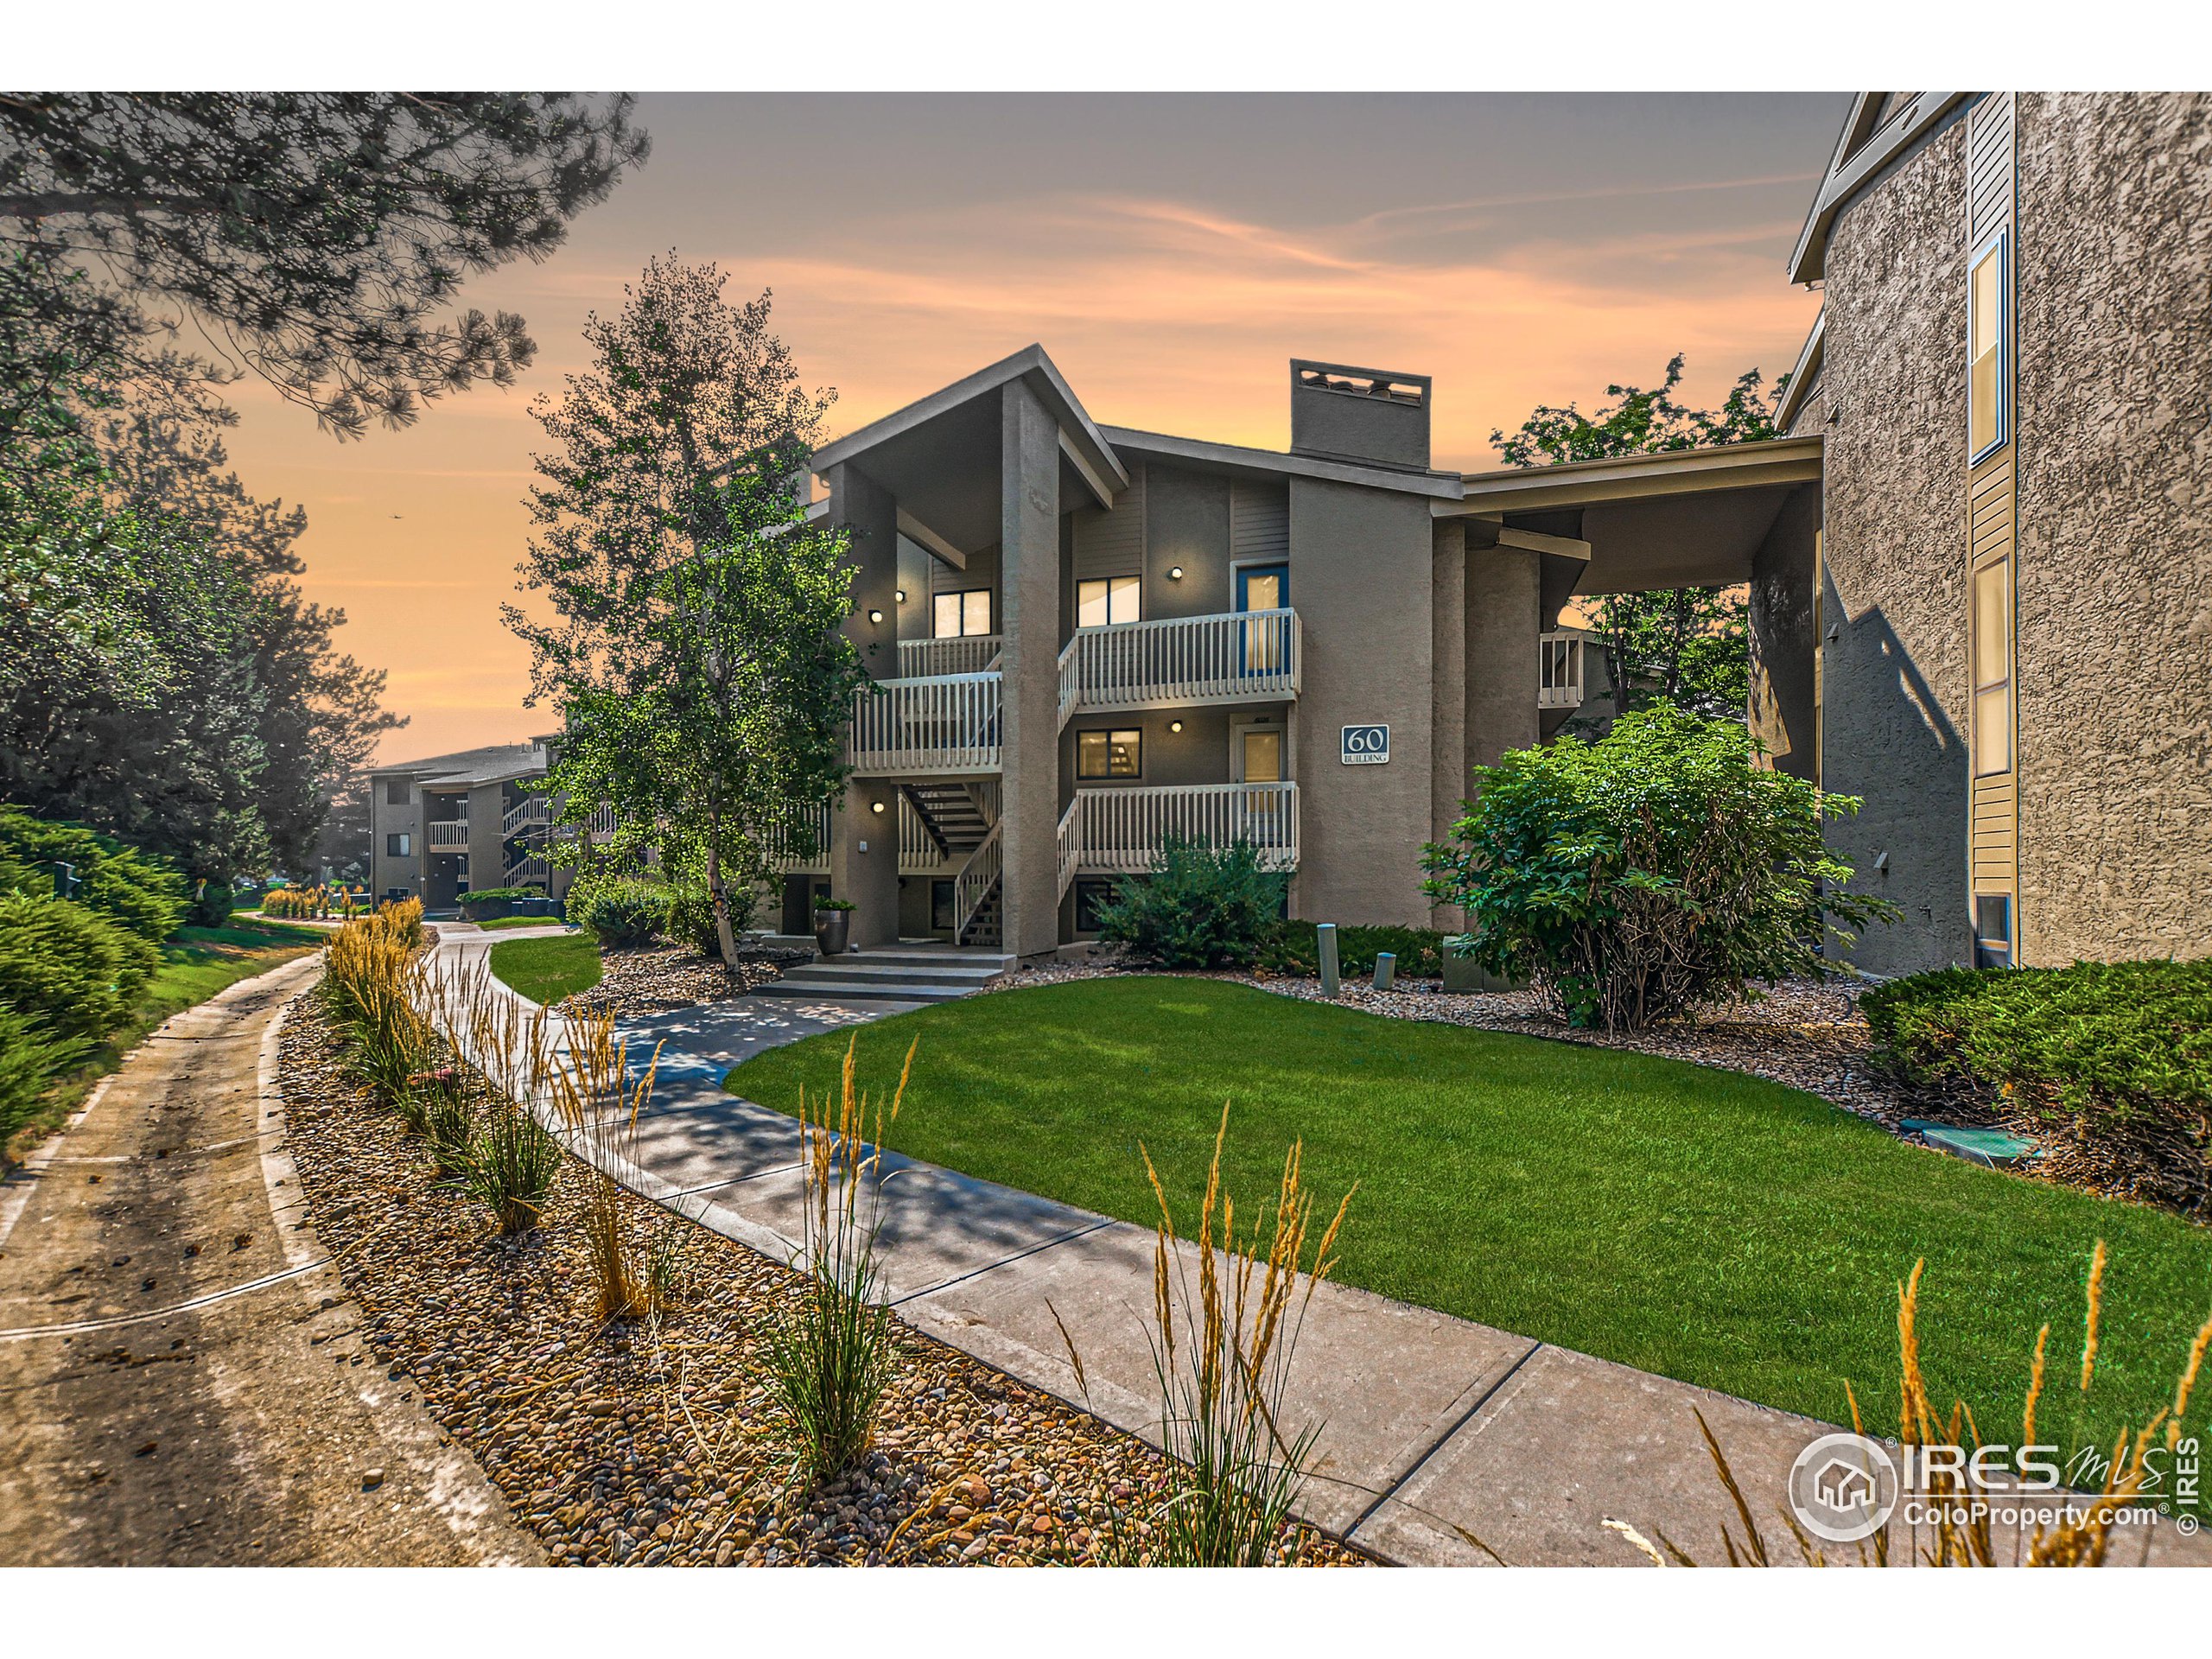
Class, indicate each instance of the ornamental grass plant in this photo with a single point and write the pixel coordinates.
(830, 1349)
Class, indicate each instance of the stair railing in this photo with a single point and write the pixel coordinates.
(978, 878)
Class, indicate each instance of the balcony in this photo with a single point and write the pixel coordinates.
(1123, 830)
(1241, 657)
(941, 724)
(974, 653)
(446, 835)
(1558, 670)
(531, 812)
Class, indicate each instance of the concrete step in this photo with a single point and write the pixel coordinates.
(918, 957)
(906, 972)
(877, 988)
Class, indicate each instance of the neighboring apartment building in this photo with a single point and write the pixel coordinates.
(1086, 639)
(2011, 381)
(441, 826)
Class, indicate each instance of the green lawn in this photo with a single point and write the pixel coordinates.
(1702, 1223)
(522, 921)
(545, 970)
(197, 962)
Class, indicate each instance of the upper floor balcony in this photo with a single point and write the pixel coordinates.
(446, 835)
(1236, 657)
(938, 724)
(1558, 670)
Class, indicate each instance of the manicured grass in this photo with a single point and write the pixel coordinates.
(195, 964)
(545, 970)
(522, 921)
(1698, 1222)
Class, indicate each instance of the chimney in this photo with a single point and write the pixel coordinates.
(1363, 414)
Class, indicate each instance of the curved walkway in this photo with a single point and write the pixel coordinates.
(180, 1380)
(1433, 1428)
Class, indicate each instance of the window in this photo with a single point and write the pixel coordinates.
(1986, 312)
(962, 613)
(399, 846)
(1107, 600)
(1992, 670)
(1109, 754)
(397, 793)
(1992, 930)
(1090, 892)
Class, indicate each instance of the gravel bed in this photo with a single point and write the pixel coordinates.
(654, 978)
(650, 1443)
(1802, 1032)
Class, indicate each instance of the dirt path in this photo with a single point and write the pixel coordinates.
(180, 1380)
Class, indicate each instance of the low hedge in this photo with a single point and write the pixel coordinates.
(1294, 948)
(621, 912)
(2109, 1064)
(73, 971)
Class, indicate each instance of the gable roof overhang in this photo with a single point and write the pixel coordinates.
(940, 455)
(1867, 145)
(1682, 517)
(1802, 372)
(1240, 461)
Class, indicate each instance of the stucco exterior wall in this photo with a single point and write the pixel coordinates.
(1894, 692)
(1783, 573)
(2114, 608)
(1361, 572)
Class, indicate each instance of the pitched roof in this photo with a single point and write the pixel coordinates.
(494, 764)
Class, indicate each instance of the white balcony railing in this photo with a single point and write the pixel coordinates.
(945, 723)
(788, 850)
(978, 877)
(973, 653)
(1558, 670)
(531, 811)
(447, 835)
(1124, 830)
(1237, 657)
(919, 851)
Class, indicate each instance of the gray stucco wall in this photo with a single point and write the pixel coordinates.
(1360, 576)
(1029, 721)
(1895, 675)
(386, 871)
(1186, 523)
(1503, 617)
(1783, 573)
(2115, 560)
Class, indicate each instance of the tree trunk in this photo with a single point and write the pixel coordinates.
(725, 936)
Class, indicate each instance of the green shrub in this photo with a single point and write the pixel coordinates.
(691, 915)
(73, 969)
(1635, 878)
(1294, 948)
(500, 895)
(212, 908)
(1202, 906)
(620, 912)
(2109, 1063)
(142, 893)
(29, 1058)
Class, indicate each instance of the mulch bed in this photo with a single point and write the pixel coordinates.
(653, 1443)
(655, 978)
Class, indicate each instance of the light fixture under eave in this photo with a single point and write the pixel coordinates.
(1174, 573)
(875, 806)
(902, 595)
(1174, 725)
(875, 616)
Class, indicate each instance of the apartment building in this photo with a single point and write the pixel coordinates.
(2012, 633)
(441, 826)
(1085, 638)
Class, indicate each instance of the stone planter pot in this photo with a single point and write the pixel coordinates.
(831, 930)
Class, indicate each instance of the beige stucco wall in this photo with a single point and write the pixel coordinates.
(2114, 600)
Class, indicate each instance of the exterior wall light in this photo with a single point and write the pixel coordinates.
(875, 806)
(1174, 725)
(902, 595)
(1174, 573)
(875, 616)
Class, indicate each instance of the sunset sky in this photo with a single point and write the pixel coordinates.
(1171, 253)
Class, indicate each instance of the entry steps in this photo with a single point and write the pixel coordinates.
(891, 974)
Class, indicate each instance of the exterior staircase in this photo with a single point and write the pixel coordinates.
(904, 973)
(960, 818)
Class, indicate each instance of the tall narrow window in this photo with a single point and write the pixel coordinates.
(956, 615)
(1985, 309)
(1105, 599)
(1992, 670)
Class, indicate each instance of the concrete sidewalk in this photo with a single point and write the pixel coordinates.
(1431, 1427)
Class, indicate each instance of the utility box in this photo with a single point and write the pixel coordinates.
(1465, 974)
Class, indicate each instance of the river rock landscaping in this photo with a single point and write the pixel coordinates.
(651, 1442)
(655, 978)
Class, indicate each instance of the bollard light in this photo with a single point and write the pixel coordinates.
(1386, 969)
(1325, 935)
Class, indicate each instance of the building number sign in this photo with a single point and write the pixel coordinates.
(1366, 746)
